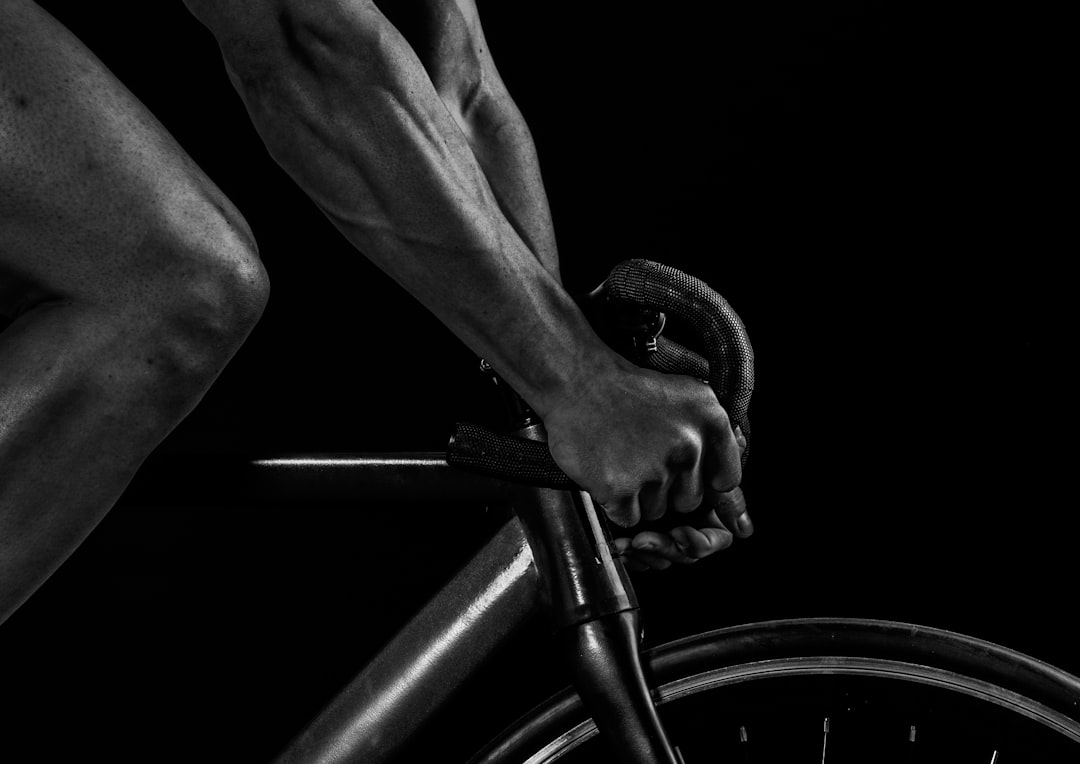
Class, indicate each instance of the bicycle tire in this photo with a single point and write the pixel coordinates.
(1004, 701)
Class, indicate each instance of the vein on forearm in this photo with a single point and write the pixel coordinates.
(363, 131)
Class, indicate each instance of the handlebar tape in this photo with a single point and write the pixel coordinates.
(724, 342)
(672, 358)
(726, 362)
(478, 449)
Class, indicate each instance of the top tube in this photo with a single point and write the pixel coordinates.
(398, 477)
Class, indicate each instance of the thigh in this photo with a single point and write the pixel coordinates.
(89, 179)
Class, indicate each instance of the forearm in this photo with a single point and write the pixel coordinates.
(345, 106)
(449, 40)
(351, 114)
(503, 146)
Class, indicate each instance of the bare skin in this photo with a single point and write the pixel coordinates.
(131, 280)
(424, 164)
(449, 41)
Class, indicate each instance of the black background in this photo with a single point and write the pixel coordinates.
(872, 190)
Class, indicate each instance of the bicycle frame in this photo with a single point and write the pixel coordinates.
(552, 556)
(493, 597)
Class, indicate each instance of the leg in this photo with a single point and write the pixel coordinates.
(449, 40)
(344, 104)
(130, 280)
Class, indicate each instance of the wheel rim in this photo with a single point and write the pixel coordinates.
(829, 666)
(678, 672)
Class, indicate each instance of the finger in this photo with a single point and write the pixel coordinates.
(621, 545)
(621, 548)
(731, 508)
(631, 561)
(653, 500)
(659, 544)
(624, 511)
(638, 559)
(650, 560)
(723, 457)
(740, 440)
(687, 490)
(701, 542)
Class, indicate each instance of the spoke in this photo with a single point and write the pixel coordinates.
(994, 757)
(678, 755)
(824, 740)
(911, 745)
(745, 740)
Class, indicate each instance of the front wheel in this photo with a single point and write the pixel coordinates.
(831, 691)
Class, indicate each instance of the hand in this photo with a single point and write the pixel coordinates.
(698, 535)
(643, 444)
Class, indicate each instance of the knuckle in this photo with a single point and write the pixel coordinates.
(608, 489)
(726, 473)
(653, 509)
(687, 501)
(620, 506)
(733, 501)
(721, 419)
(686, 448)
(726, 481)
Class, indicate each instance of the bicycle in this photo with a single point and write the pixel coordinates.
(849, 688)
(835, 688)
(927, 694)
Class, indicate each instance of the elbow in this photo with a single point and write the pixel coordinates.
(300, 44)
(306, 65)
(481, 106)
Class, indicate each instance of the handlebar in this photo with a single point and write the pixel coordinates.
(635, 286)
(588, 594)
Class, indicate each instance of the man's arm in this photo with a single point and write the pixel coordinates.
(346, 107)
(449, 41)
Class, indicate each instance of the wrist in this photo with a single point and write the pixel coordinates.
(571, 375)
(533, 334)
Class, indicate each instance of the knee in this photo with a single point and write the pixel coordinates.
(198, 291)
(218, 292)
(222, 284)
